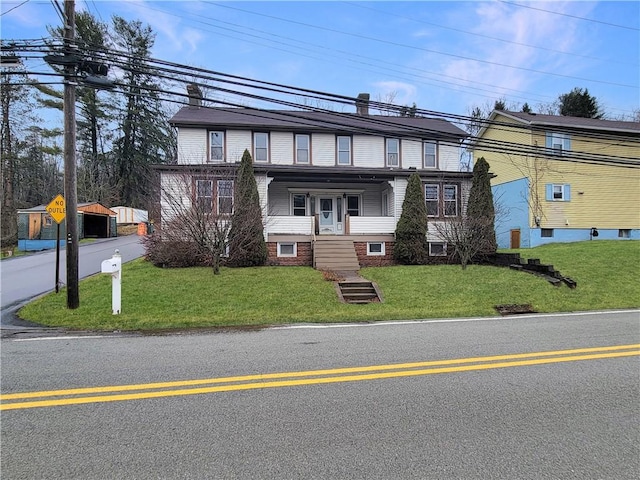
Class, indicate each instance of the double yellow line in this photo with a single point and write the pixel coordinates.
(117, 393)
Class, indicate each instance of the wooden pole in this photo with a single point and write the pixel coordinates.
(70, 182)
(58, 259)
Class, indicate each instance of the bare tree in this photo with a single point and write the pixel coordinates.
(196, 208)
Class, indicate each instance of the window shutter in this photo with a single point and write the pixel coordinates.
(549, 140)
(549, 192)
(566, 143)
(567, 193)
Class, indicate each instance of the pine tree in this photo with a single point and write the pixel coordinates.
(481, 211)
(579, 103)
(411, 246)
(247, 247)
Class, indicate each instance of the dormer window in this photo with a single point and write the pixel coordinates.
(216, 146)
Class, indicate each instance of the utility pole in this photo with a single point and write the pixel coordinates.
(70, 182)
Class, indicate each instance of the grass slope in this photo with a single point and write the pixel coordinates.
(607, 272)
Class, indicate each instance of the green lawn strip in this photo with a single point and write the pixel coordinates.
(607, 272)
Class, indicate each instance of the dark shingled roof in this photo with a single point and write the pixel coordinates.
(573, 122)
(307, 121)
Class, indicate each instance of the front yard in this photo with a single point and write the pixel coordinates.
(607, 273)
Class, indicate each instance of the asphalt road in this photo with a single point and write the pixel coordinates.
(26, 277)
(572, 411)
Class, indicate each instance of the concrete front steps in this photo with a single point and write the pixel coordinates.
(335, 254)
(355, 291)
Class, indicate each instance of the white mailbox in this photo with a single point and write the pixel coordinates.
(114, 267)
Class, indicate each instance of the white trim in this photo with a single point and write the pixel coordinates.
(295, 249)
(444, 249)
(374, 254)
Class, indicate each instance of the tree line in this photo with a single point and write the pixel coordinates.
(119, 134)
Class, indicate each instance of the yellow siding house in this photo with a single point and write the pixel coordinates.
(561, 179)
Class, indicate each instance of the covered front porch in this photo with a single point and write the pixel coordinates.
(329, 208)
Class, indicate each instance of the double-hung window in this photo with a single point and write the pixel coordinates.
(344, 150)
(225, 196)
(430, 154)
(432, 196)
(558, 192)
(353, 205)
(261, 147)
(442, 200)
(299, 205)
(557, 143)
(216, 146)
(204, 195)
(302, 148)
(450, 200)
(393, 152)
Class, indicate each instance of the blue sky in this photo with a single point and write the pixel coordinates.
(444, 56)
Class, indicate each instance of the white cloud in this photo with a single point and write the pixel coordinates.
(521, 27)
(404, 93)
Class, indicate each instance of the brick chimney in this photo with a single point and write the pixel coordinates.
(195, 95)
(362, 104)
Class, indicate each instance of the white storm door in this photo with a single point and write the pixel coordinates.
(327, 215)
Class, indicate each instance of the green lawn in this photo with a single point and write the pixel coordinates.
(607, 272)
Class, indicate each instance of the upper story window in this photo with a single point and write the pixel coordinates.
(393, 152)
(442, 200)
(225, 196)
(303, 143)
(558, 143)
(344, 150)
(430, 154)
(261, 147)
(216, 146)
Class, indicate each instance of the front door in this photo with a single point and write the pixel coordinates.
(327, 216)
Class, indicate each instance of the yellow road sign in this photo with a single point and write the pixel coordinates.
(57, 209)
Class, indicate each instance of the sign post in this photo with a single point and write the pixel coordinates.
(57, 210)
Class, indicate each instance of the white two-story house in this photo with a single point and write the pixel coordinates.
(331, 177)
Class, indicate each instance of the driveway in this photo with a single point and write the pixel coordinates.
(24, 278)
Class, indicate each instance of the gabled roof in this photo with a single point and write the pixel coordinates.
(86, 207)
(574, 123)
(312, 121)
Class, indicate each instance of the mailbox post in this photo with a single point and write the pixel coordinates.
(114, 267)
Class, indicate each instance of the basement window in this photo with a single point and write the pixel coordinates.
(287, 249)
(375, 248)
(437, 249)
(624, 233)
(546, 232)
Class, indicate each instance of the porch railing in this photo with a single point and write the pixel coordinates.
(372, 225)
(288, 224)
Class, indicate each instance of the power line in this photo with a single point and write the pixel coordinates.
(413, 47)
(170, 70)
(13, 8)
(572, 16)
(480, 35)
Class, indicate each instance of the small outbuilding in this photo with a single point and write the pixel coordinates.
(38, 231)
(130, 216)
